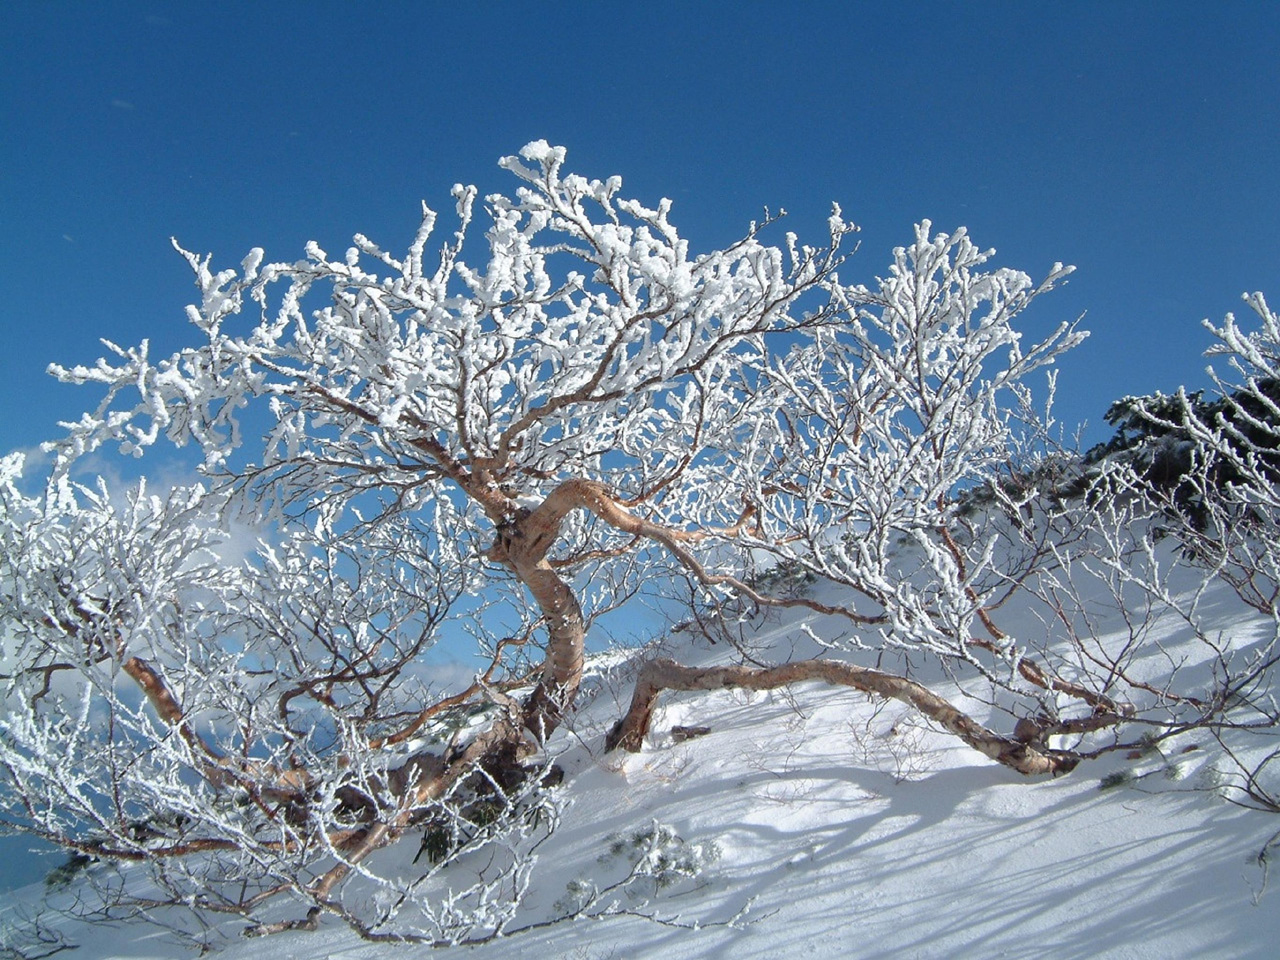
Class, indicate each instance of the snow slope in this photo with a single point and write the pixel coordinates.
(851, 829)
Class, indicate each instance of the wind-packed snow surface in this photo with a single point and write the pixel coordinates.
(825, 824)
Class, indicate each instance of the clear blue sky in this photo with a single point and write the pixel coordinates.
(1135, 140)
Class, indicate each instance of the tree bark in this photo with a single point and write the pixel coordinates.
(522, 544)
(663, 674)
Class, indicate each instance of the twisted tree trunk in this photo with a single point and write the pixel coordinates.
(663, 674)
(522, 544)
(566, 635)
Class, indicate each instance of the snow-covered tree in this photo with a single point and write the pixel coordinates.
(1215, 480)
(509, 446)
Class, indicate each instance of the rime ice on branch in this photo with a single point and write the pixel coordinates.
(424, 440)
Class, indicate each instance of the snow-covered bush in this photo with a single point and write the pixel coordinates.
(502, 449)
(1225, 510)
(254, 735)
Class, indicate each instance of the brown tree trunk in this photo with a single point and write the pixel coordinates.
(566, 635)
(659, 675)
(522, 544)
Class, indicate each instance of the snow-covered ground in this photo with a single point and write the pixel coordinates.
(852, 829)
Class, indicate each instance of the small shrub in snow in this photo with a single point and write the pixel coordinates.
(642, 863)
(662, 855)
(1118, 778)
(896, 748)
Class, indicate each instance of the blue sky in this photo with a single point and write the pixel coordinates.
(1137, 141)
